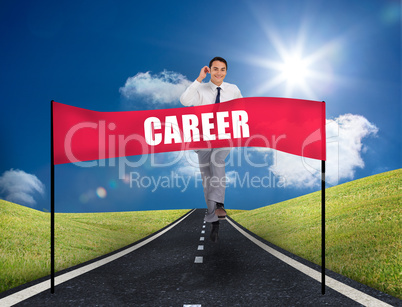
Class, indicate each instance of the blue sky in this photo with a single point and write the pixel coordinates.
(131, 55)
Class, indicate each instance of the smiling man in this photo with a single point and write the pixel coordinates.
(212, 161)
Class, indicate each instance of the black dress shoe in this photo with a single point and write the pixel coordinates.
(214, 231)
(220, 211)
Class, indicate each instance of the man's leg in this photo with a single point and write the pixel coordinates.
(217, 169)
(218, 180)
(204, 159)
(215, 231)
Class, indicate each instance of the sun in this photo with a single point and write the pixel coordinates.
(294, 70)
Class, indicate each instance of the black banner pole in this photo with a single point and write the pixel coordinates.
(51, 201)
(323, 227)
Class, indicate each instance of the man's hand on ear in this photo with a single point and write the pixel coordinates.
(203, 73)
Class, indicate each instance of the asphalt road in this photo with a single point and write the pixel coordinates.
(173, 270)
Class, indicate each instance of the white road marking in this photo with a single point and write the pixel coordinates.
(19, 296)
(200, 247)
(202, 239)
(202, 231)
(186, 305)
(346, 290)
(203, 226)
(198, 259)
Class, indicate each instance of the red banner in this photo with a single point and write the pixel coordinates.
(291, 125)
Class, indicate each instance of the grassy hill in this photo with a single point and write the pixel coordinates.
(363, 229)
(25, 238)
(363, 233)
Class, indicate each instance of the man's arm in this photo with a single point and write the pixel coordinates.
(203, 73)
(238, 93)
(191, 96)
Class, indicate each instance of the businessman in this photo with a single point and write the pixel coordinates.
(212, 161)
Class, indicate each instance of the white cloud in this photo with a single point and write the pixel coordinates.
(344, 147)
(19, 187)
(187, 165)
(231, 176)
(165, 87)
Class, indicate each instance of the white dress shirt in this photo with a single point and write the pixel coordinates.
(198, 94)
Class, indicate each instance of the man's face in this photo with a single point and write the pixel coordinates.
(218, 72)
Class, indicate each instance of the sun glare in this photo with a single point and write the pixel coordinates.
(294, 70)
(294, 73)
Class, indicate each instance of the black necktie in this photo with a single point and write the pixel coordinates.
(218, 96)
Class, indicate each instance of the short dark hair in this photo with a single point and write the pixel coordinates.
(218, 58)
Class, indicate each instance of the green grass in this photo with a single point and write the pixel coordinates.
(231, 212)
(363, 229)
(363, 233)
(25, 238)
